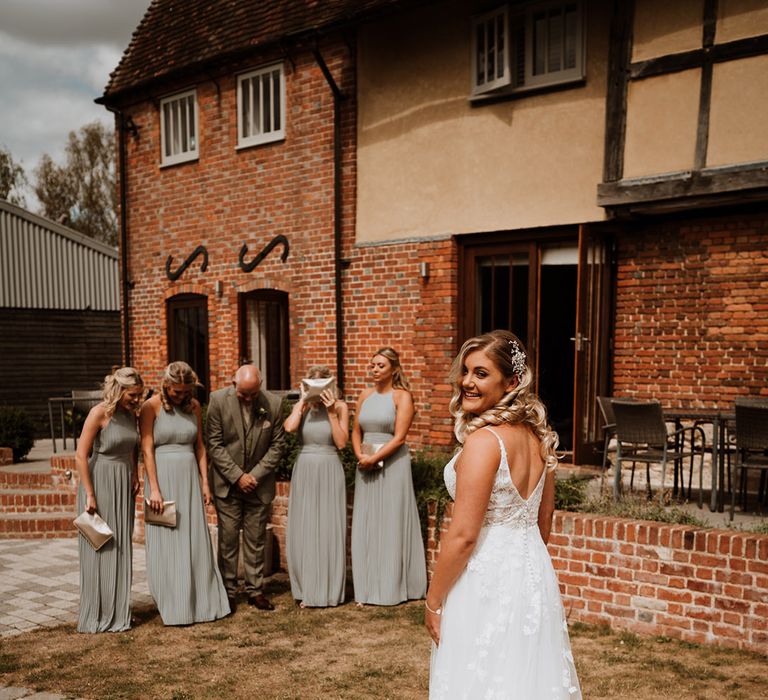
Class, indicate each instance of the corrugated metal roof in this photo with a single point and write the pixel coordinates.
(44, 265)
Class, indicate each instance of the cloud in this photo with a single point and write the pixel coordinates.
(55, 60)
(67, 22)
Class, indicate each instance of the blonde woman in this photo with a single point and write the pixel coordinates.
(316, 534)
(107, 463)
(182, 573)
(388, 565)
(493, 608)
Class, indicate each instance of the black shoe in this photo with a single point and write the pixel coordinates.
(232, 604)
(261, 602)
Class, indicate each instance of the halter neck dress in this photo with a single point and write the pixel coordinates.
(105, 575)
(316, 534)
(388, 564)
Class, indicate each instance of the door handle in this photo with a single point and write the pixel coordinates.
(581, 340)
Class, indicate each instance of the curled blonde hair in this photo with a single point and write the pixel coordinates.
(178, 373)
(115, 385)
(520, 405)
(398, 376)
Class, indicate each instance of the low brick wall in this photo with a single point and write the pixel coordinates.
(695, 584)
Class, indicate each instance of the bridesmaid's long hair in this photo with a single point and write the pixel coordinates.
(398, 376)
(178, 373)
(520, 405)
(116, 384)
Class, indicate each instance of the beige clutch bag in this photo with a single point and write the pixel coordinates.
(312, 388)
(167, 518)
(93, 527)
(371, 449)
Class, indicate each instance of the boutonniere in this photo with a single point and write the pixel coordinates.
(261, 413)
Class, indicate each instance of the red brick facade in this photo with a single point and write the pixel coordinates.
(232, 197)
(692, 310)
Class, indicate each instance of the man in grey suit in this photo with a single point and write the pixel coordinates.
(245, 434)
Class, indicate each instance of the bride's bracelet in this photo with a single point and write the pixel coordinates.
(439, 611)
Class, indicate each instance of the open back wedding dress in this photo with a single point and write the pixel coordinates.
(503, 633)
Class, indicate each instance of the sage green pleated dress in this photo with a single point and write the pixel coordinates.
(388, 564)
(105, 575)
(182, 573)
(316, 534)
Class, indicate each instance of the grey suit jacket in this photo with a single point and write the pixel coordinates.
(226, 443)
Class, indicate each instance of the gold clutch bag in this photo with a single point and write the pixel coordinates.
(167, 518)
(93, 527)
(371, 449)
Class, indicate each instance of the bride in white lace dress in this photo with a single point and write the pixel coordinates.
(493, 606)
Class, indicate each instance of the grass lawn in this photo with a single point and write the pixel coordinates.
(346, 652)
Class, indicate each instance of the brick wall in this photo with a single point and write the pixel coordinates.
(692, 310)
(695, 584)
(230, 197)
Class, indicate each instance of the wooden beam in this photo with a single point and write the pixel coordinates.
(686, 190)
(718, 53)
(619, 56)
(709, 26)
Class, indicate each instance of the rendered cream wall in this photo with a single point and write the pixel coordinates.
(738, 19)
(661, 124)
(666, 26)
(738, 121)
(430, 163)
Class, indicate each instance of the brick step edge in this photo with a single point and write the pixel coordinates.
(49, 480)
(21, 525)
(37, 501)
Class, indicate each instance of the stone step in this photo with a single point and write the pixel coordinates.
(27, 500)
(37, 525)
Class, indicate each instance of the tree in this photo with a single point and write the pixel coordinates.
(12, 178)
(82, 192)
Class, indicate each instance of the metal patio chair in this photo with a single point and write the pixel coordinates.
(751, 446)
(609, 430)
(642, 436)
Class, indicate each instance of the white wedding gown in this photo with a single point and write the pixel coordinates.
(503, 632)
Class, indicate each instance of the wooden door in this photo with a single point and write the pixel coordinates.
(591, 342)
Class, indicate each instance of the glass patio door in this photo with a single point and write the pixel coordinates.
(552, 293)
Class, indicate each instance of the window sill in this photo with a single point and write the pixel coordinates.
(507, 93)
(179, 161)
(260, 142)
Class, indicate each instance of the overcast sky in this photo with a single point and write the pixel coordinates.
(55, 59)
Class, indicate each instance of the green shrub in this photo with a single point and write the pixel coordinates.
(570, 493)
(16, 431)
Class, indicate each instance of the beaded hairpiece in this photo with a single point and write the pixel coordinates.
(518, 358)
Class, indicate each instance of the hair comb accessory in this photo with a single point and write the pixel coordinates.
(518, 358)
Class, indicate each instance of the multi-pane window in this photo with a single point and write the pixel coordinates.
(178, 128)
(261, 106)
(540, 44)
(490, 65)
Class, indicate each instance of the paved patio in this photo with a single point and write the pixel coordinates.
(40, 584)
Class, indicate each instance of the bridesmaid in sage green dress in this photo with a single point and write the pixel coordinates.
(388, 564)
(182, 573)
(108, 485)
(316, 534)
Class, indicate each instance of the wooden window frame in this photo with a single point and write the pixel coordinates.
(172, 153)
(519, 21)
(285, 341)
(252, 78)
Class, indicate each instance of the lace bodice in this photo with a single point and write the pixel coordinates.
(506, 506)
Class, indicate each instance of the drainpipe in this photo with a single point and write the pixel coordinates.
(337, 98)
(123, 234)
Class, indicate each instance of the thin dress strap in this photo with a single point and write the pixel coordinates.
(501, 446)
